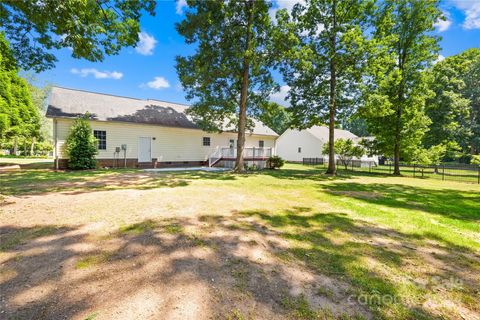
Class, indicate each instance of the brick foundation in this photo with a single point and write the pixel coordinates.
(133, 163)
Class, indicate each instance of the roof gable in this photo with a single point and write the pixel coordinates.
(322, 132)
(71, 103)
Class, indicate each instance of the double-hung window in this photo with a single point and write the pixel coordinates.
(101, 136)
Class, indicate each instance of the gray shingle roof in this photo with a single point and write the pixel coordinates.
(71, 103)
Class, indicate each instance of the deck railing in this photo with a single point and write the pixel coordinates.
(227, 153)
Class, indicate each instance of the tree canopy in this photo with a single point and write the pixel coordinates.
(325, 61)
(396, 86)
(228, 78)
(19, 118)
(91, 28)
(455, 107)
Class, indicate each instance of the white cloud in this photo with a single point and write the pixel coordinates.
(440, 58)
(180, 5)
(443, 25)
(146, 44)
(280, 96)
(471, 9)
(284, 4)
(157, 83)
(97, 74)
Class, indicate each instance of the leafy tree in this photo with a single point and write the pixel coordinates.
(346, 150)
(325, 61)
(396, 84)
(81, 145)
(356, 125)
(19, 119)
(39, 93)
(92, 28)
(454, 108)
(431, 156)
(229, 76)
(475, 159)
(472, 93)
(276, 117)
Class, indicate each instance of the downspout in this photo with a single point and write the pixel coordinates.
(55, 147)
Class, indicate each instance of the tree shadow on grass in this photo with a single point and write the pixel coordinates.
(291, 264)
(374, 260)
(462, 205)
(36, 182)
(63, 273)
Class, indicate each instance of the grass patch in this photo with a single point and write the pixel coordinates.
(173, 228)
(93, 260)
(13, 238)
(138, 228)
(91, 316)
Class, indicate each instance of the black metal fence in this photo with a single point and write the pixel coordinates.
(312, 161)
(445, 172)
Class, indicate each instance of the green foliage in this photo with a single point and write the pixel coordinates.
(345, 150)
(324, 61)
(397, 86)
(431, 156)
(275, 162)
(475, 159)
(35, 27)
(356, 125)
(19, 118)
(276, 117)
(81, 145)
(455, 108)
(233, 60)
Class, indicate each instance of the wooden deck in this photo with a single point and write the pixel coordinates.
(230, 154)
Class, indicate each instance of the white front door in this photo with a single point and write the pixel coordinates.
(145, 149)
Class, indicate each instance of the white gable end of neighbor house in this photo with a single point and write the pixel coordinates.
(158, 131)
(294, 145)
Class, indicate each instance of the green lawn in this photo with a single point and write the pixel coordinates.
(402, 248)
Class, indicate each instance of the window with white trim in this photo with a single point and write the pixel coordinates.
(261, 143)
(206, 141)
(101, 137)
(299, 149)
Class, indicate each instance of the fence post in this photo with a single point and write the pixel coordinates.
(370, 166)
(443, 172)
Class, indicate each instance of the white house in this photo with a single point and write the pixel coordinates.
(149, 133)
(294, 145)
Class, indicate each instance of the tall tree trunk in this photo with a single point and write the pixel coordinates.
(242, 119)
(32, 146)
(398, 124)
(15, 145)
(396, 149)
(333, 95)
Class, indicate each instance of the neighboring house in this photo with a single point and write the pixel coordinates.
(294, 145)
(149, 133)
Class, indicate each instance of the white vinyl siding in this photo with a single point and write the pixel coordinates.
(292, 141)
(168, 144)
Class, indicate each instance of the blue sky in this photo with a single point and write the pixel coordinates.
(148, 71)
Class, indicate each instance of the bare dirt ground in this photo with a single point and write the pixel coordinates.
(159, 253)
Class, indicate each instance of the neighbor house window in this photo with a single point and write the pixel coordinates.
(102, 139)
(206, 141)
(299, 149)
(261, 144)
